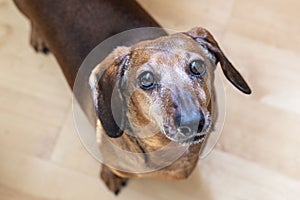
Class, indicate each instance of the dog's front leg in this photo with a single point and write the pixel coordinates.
(113, 182)
(37, 41)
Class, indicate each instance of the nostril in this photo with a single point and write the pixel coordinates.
(177, 120)
(184, 130)
(201, 123)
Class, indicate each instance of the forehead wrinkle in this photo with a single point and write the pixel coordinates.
(168, 58)
(139, 57)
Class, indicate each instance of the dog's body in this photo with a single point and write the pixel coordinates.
(72, 28)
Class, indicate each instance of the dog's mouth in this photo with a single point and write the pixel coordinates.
(198, 137)
(179, 137)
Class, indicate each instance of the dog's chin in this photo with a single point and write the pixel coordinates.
(194, 138)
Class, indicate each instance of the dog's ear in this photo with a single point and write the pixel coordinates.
(204, 38)
(106, 82)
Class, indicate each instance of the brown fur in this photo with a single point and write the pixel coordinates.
(164, 51)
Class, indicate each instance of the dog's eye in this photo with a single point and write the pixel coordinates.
(197, 67)
(146, 80)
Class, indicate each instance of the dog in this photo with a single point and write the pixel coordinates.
(70, 29)
(166, 84)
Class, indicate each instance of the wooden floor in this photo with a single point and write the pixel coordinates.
(257, 157)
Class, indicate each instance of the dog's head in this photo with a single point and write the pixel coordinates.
(163, 85)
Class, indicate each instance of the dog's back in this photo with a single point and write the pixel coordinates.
(72, 28)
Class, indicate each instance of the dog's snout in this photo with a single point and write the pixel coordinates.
(190, 123)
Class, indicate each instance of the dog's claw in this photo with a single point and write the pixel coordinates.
(124, 182)
(45, 50)
(117, 192)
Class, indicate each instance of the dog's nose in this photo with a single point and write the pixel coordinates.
(190, 123)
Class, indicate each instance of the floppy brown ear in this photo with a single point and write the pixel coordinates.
(105, 82)
(204, 38)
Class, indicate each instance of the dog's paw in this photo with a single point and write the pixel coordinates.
(37, 42)
(113, 182)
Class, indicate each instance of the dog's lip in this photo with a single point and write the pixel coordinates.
(193, 139)
(196, 135)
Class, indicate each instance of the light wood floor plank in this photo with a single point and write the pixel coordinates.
(257, 157)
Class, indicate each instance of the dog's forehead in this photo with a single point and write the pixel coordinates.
(168, 50)
(170, 42)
